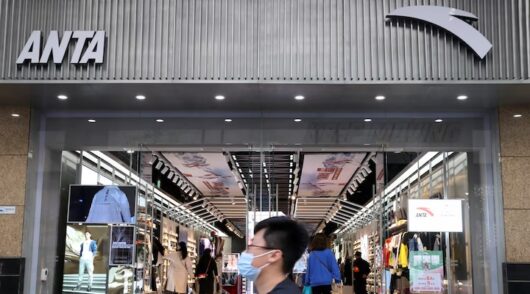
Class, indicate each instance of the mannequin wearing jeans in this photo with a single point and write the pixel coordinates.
(86, 261)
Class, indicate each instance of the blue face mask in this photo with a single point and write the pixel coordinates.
(245, 267)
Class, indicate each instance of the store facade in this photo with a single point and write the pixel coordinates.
(259, 55)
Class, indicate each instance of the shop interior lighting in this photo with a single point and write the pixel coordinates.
(159, 120)
(367, 120)
(219, 97)
(62, 97)
(228, 120)
(130, 151)
(517, 115)
(175, 179)
(462, 97)
(140, 97)
(297, 120)
(380, 97)
(159, 165)
(299, 97)
(164, 170)
(90, 120)
(438, 120)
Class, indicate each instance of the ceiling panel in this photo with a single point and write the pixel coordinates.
(208, 172)
(326, 174)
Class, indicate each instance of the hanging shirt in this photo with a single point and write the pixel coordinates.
(403, 256)
(109, 206)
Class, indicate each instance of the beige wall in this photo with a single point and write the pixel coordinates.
(515, 163)
(14, 140)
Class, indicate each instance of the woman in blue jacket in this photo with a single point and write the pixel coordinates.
(322, 267)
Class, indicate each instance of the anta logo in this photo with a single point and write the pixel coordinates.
(424, 212)
(453, 20)
(93, 41)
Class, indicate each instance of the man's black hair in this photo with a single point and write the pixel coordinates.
(286, 235)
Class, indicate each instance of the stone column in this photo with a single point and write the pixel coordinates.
(14, 141)
(515, 163)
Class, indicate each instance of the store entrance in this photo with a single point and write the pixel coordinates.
(360, 200)
(362, 182)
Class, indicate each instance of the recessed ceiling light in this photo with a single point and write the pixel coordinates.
(219, 97)
(228, 120)
(367, 120)
(91, 120)
(160, 120)
(462, 97)
(299, 97)
(518, 115)
(297, 119)
(15, 115)
(380, 97)
(439, 120)
(140, 97)
(62, 97)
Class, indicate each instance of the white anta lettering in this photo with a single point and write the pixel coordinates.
(53, 47)
(94, 42)
(31, 50)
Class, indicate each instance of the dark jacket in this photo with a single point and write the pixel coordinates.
(360, 267)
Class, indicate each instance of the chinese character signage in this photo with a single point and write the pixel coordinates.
(426, 271)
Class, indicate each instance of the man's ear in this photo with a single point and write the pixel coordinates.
(275, 256)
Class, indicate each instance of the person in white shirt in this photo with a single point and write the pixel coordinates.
(179, 269)
(86, 261)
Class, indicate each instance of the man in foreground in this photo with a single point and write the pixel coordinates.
(277, 244)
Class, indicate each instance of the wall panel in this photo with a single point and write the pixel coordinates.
(274, 40)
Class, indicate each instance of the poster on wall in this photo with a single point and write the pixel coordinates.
(230, 263)
(435, 215)
(122, 245)
(121, 280)
(102, 204)
(301, 265)
(426, 271)
(86, 259)
(326, 174)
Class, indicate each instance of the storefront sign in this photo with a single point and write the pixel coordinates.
(448, 19)
(435, 215)
(8, 210)
(94, 41)
(426, 271)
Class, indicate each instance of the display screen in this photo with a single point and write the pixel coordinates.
(122, 245)
(121, 280)
(86, 259)
(102, 204)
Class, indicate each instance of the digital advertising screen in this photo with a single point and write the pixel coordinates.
(122, 245)
(86, 259)
(102, 204)
(121, 280)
